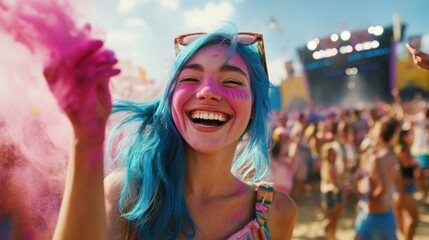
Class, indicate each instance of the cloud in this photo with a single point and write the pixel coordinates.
(125, 6)
(126, 44)
(277, 70)
(169, 4)
(123, 37)
(136, 22)
(210, 16)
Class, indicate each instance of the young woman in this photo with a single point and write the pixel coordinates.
(406, 207)
(191, 161)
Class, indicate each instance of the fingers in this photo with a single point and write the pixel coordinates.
(414, 52)
(80, 81)
(420, 58)
(421, 61)
(100, 57)
(100, 71)
(97, 67)
(105, 60)
(87, 50)
(410, 48)
(424, 65)
(68, 65)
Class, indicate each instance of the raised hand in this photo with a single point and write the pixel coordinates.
(420, 58)
(79, 82)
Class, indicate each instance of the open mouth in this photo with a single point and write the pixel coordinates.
(208, 119)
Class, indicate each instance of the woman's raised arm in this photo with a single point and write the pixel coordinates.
(79, 81)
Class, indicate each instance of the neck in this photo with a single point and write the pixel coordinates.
(209, 174)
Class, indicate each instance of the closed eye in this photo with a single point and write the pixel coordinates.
(233, 82)
(189, 80)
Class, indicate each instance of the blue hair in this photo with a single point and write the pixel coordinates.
(148, 145)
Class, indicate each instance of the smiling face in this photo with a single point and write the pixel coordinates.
(212, 102)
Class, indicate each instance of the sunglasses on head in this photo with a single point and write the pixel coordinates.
(246, 38)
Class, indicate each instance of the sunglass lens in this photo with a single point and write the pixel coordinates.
(246, 39)
(188, 39)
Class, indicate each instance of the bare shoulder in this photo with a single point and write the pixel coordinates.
(282, 218)
(116, 225)
(385, 159)
(113, 181)
(112, 188)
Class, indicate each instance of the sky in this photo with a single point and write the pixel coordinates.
(142, 31)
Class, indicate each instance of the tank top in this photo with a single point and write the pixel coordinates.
(407, 172)
(257, 228)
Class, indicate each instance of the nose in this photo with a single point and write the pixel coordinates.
(209, 91)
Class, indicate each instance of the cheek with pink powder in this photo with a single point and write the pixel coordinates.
(237, 94)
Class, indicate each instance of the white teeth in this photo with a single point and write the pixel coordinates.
(208, 116)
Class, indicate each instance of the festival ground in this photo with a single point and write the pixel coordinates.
(310, 216)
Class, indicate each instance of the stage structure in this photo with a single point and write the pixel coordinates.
(350, 68)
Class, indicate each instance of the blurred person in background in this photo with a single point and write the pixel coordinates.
(420, 149)
(282, 164)
(406, 206)
(321, 135)
(350, 158)
(332, 172)
(313, 162)
(376, 178)
(360, 126)
(300, 151)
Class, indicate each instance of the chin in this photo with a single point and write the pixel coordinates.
(210, 147)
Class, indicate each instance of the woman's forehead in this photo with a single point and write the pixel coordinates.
(220, 51)
(218, 55)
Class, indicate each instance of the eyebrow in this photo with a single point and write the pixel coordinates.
(223, 68)
(195, 66)
(229, 68)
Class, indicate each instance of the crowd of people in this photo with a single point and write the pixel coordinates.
(376, 158)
